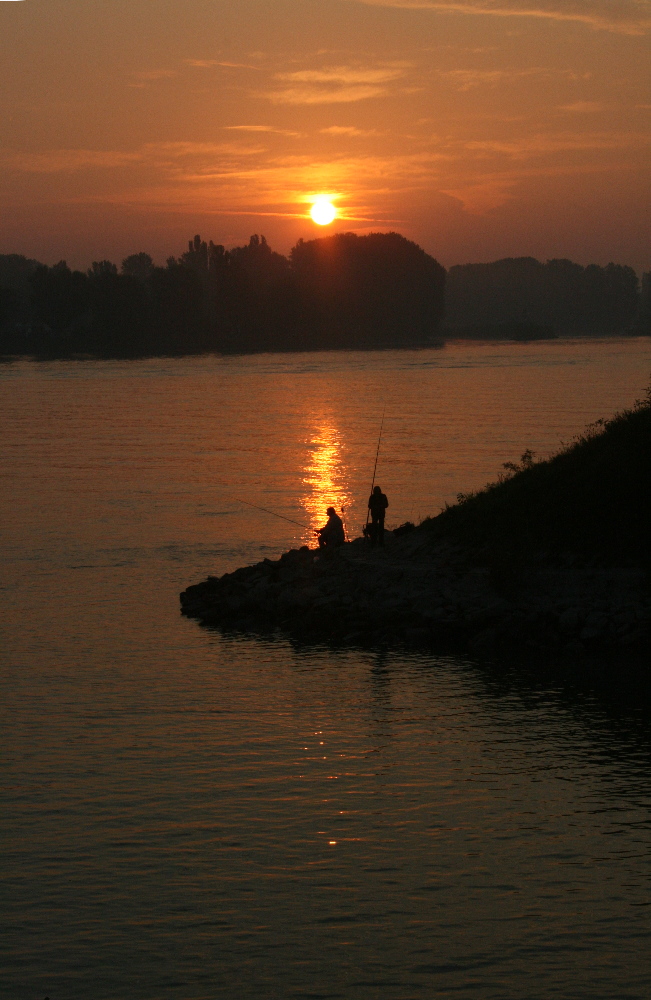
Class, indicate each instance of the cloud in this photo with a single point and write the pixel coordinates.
(308, 95)
(65, 160)
(346, 130)
(179, 149)
(148, 76)
(631, 17)
(334, 84)
(343, 75)
(142, 79)
(162, 153)
(582, 107)
(466, 79)
(209, 63)
(260, 128)
(561, 142)
(242, 177)
(283, 186)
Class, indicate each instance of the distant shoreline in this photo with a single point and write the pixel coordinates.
(341, 292)
(8, 358)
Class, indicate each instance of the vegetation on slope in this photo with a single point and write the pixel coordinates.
(593, 500)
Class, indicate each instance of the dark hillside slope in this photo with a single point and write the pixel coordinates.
(593, 499)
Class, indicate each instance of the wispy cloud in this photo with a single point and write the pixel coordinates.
(65, 160)
(308, 95)
(561, 142)
(582, 107)
(480, 195)
(261, 128)
(209, 63)
(144, 77)
(343, 74)
(243, 177)
(183, 149)
(283, 186)
(467, 79)
(334, 84)
(155, 74)
(347, 130)
(161, 153)
(632, 17)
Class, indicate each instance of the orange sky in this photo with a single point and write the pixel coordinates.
(479, 128)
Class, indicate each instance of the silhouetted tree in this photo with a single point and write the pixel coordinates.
(10, 309)
(178, 309)
(368, 291)
(120, 313)
(15, 272)
(61, 302)
(378, 290)
(258, 297)
(138, 266)
(559, 294)
(642, 322)
(101, 267)
(15, 305)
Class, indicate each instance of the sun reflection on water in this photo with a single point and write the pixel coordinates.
(325, 476)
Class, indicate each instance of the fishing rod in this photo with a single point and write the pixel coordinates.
(272, 512)
(290, 519)
(377, 455)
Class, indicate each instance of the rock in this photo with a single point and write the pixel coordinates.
(418, 592)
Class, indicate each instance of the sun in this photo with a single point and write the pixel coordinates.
(323, 211)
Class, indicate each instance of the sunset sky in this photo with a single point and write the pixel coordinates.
(479, 128)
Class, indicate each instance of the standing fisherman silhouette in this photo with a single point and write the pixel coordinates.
(377, 502)
(377, 505)
(332, 533)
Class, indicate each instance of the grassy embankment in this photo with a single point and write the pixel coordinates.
(591, 500)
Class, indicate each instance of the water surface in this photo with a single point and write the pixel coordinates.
(190, 815)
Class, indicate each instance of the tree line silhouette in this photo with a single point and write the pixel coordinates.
(520, 296)
(342, 291)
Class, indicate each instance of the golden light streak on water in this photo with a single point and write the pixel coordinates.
(326, 477)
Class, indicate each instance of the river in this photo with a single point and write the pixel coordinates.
(188, 815)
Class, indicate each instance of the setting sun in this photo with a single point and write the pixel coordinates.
(323, 211)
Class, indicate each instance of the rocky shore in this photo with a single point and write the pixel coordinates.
(421, 590)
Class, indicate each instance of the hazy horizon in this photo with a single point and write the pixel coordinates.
(161, 259)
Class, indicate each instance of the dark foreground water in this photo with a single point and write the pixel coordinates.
(187, 815)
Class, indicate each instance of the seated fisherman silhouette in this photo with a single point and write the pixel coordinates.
(377, 505)
(332, 533)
